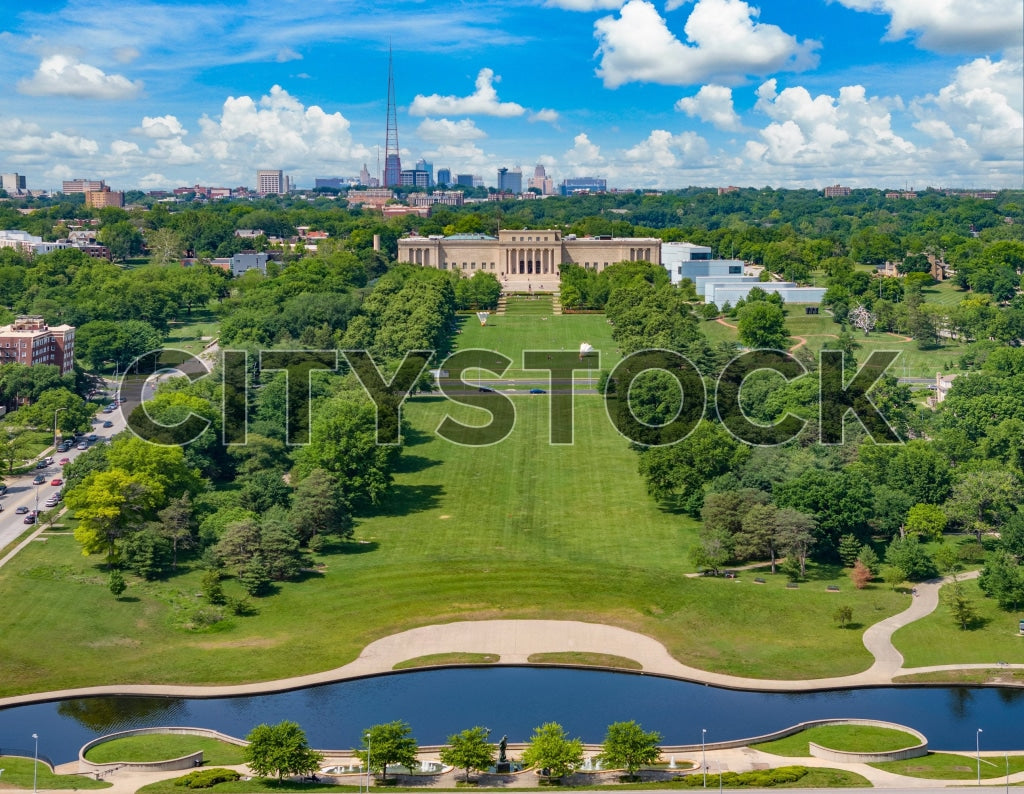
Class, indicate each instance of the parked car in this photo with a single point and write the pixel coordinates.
(108, 423)
(92, 438)
(56, 481)
(30, 519)
(41, 464)
(82, 445)
(39, 479)
(64, 461)
(21, 510)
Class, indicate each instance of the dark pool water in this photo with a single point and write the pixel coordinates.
(514, 700)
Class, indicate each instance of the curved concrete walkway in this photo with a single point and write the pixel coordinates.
(514, 641)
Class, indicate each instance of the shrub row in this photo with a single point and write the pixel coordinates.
(205, 778)
(762, 778)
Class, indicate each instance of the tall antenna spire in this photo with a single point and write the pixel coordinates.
(392, 160)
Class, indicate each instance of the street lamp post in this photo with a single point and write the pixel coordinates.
(703, 757)
(57, 411)
(35, 765)
(977, 752)
(369, 749)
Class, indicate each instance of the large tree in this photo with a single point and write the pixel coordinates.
(388, 744)
(468, 749)
(762, 326)
(280, 750)
(628, 746)
(551, 748)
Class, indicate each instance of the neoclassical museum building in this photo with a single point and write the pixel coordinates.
(525, 259)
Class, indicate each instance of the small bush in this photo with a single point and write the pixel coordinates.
(205, 778)
(762, 778)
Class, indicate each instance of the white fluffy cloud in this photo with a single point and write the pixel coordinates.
(482, 102)
(277, 129)
(824, 130)
(60, 75)
(160, 127)
(725, 44)
(441, 131)
(545, 114)
(982, 106)
(664, 150)
(712, 104)
(950, 25)
(583, 154)
(27, 143)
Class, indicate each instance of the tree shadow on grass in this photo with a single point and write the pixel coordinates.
(405, 500)
(413, 437)
(409, 464)
(356, 547)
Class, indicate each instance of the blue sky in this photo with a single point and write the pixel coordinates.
(672, 93)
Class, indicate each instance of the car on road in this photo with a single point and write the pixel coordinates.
(537, 391)
(82, 445)
(41, 464)
(92, 438)
(64, 461)
(39, 479)
(56, 481)
(30, 519)
(108, 423)
(21, 510)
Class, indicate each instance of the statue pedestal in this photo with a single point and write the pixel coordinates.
(503, 767)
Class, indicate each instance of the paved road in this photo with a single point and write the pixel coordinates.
(21, 492)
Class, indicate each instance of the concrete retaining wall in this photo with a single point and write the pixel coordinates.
(769, 737)
(185, 762)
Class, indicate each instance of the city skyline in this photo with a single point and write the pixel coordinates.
(869, 93)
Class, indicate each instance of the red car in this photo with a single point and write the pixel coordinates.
(64, 461)
(56, 481)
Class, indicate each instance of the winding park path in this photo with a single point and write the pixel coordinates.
(515, 641)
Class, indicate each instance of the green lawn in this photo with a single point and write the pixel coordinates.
(436, 659)
(519, 529)
(164, 747)
(195, 333)
(528, 324)
(938, 639)
(949, 766)
(18, 773)
(585, 659)
(851, 738)
(820, 330)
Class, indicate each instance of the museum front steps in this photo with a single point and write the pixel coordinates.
(528, 284)
(556, 302)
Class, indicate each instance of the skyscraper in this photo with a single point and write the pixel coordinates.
(444, 176)
(392, 159)
(423, 165)
(510, 181)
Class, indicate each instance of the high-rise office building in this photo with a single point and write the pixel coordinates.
(270, 182)
(12, 183)
(541, 181)
(465, 180)
(584, 184)
(510, 181)
(414, 177)
(82, 185)
(423, 165)
(444, 176)
(364, 176)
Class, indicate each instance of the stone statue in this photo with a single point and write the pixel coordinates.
(502, 746)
